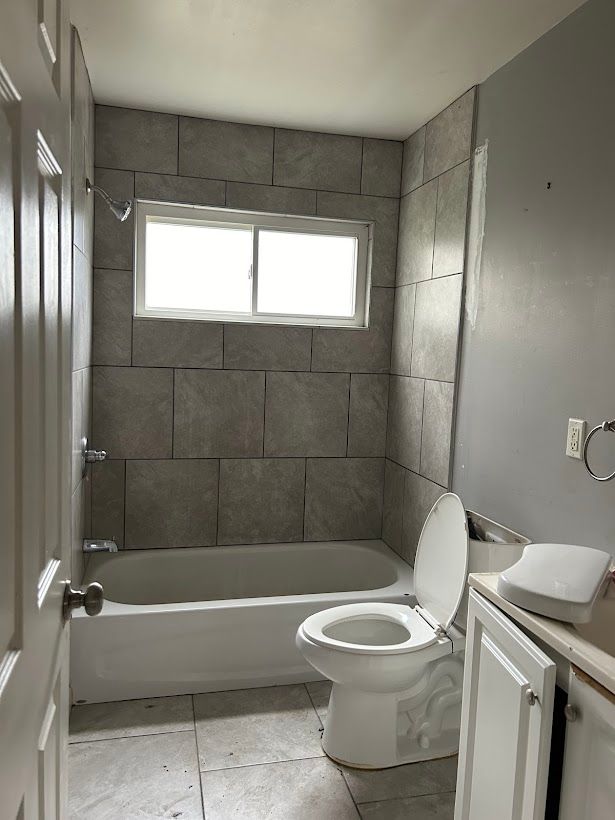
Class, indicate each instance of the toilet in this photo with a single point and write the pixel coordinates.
(397, 671)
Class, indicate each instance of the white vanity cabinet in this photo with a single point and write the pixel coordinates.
(508, 692)
(588, 779)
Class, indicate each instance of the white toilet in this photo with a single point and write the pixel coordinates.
(397, 672)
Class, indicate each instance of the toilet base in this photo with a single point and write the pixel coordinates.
(374, 730)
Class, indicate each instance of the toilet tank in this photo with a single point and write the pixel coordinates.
(499, 549)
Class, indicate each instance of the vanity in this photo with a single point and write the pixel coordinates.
(538, 715)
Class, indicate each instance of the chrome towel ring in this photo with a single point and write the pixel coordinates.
(608, 427)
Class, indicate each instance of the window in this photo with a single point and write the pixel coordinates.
(204, 263)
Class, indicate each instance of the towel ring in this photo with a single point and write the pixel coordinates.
(608, 427)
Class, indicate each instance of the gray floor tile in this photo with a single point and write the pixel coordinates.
(137, 777)
(319, 691)
(428, 807)
(428, 777)
(127, 718)
(292, 790)
(255, 726)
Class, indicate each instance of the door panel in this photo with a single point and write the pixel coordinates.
(509, 686)
(35, 320)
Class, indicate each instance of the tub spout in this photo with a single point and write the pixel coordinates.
(99, 545)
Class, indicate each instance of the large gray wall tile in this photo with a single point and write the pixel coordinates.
(413, 161)
(82, 310)
(267, 347)
(79, 529)
(225, 150)
(448, 140)
(306, 414)
(112, 317)
(189, 190)
(384, 212)
(219, 414)
(132, 411)
(436, 328)
(136, 140)
(394, 477)
(381, 171)
(327, 162)
(420, 495)
(358, 351)
(261, 500)
(448, 255)
(403, 324)
(168, 343)
(113, 240)
(405, 420)
(437, 424)
(343, 498)
(171, 503)
(272, 198)
(417, 220)
(108, 501)
(367, 420)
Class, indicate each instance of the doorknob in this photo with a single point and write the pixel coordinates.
(91, 599)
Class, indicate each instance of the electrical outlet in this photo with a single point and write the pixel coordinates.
(575, 438)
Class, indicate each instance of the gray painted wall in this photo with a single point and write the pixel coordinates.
(225, 434)
(543, 347)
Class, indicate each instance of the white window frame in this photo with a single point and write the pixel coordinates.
(202, 215)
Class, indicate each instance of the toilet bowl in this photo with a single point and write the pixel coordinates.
(397, 671)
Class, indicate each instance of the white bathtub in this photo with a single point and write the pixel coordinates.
(178, 621)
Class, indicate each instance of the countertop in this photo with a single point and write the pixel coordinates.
(562, 637)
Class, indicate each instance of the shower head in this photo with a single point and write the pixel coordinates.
(119, 208)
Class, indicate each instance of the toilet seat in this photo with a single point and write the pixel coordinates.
(419, 633)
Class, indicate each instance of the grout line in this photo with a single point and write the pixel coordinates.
(313, 704)
(348, 415)
(407, 797)
(128, 737)
(198, 762)
(264, 411)
(323, 756)
(422, 429)
(262, 184)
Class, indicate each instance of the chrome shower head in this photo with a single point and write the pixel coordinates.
(119, 208)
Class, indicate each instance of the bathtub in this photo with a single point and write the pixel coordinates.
(180, 621)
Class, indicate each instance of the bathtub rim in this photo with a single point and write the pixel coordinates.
(402, 586)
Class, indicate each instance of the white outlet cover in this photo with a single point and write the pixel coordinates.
(575, 438)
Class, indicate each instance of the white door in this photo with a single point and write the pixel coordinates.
(506, 716)
(35, 327)
(588, 779)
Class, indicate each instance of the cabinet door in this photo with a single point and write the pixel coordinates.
(588, 784)
(507, 710)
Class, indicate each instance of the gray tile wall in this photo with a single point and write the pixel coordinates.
(82, 134)
(226, 434)
(428, 293)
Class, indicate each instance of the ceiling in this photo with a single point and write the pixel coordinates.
(370, 67)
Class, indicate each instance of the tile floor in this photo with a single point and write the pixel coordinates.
(244, 755)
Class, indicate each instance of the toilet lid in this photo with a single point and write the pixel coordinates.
(441, 563)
